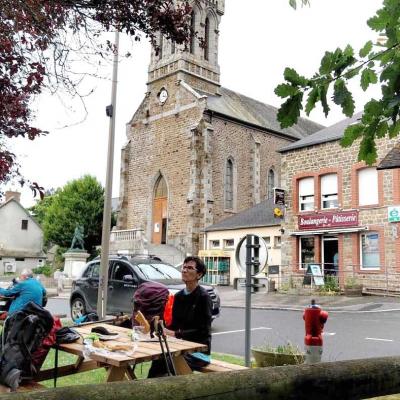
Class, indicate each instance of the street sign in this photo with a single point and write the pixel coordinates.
(279, 196)
(241, 252)
(394, 214)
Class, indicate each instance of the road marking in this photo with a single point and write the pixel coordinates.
(379, 339)
(329, 333)
(241, 330)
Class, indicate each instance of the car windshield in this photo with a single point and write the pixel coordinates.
(159, 271)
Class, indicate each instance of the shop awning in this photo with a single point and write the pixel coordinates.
(329, 231)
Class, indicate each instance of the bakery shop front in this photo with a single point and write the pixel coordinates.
(320, 239)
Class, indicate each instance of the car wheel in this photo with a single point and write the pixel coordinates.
(78, 308)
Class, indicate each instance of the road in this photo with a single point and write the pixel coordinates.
(347, 335)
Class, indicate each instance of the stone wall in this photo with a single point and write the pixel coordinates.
(331, 157)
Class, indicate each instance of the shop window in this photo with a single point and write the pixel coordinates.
(24, 224)
(368, 186)
(306, 194)
(214, 244)
(277, 241)
(370, 250)
(229, 243)
(307, 248)
(329, 191)
(267, 241)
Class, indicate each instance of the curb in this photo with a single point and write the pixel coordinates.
(296, 308)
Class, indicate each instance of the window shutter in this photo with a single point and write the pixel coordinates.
(329, 184)
(306, 187)
(368, 186)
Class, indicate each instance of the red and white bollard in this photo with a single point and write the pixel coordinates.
(314, 319)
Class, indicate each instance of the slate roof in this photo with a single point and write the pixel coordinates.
(262, 214)
(329, 134)
(392, 159)
(256, 113)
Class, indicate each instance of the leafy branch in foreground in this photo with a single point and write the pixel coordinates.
(43, 45)
(374, 62)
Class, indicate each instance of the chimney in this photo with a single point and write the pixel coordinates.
(16, 195)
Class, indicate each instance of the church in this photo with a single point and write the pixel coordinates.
(197, 152)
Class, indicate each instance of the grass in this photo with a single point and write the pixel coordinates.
(99, 375)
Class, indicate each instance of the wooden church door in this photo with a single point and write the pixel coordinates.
(160, 209)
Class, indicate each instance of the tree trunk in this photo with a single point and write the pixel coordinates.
(356, 379)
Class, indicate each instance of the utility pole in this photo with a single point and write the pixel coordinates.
(105, 236)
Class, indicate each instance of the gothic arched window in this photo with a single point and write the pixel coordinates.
(270, 183)
(207, 39)
(161, 188)
(160, 51)
(192, 31)
(229, 184)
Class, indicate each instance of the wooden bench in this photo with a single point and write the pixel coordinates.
(25, 387)
(221, 366)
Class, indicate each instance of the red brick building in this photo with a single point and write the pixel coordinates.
(341, 213)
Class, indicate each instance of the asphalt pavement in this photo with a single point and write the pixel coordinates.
(334, 303)
(279, 301)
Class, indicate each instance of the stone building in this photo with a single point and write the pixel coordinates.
(197, 152)
(21, 237)
(341, 213)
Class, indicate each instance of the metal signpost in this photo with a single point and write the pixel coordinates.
(105, 236)
(251, 253)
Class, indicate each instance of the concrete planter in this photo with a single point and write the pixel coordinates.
(270, 358)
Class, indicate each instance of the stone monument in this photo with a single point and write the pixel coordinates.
(76, 256)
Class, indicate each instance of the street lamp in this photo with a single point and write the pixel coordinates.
(105, 236)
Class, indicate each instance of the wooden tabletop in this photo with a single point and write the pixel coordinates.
(145, 350)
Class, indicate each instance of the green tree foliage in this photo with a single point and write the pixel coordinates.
(79, 202)
(375, 63)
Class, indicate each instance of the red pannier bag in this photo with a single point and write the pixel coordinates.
(40, 354)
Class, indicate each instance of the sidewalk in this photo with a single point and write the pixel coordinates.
(277, 301)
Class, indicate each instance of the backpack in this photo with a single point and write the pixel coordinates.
(22, 335)
(150, 298)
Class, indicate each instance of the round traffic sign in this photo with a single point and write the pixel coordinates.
(240, 252)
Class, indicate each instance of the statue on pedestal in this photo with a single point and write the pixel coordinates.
(77, 240)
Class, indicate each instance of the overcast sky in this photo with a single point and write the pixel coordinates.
(258, 39)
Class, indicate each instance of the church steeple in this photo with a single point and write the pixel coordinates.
(198, 63)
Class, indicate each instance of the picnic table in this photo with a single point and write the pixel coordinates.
(120, 364)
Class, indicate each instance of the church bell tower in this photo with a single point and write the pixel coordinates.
(197, 64)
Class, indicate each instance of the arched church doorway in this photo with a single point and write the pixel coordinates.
(160, 207)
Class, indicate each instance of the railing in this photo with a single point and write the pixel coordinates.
(380, 281)
(128, 239)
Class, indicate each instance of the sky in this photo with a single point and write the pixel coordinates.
(258, 39)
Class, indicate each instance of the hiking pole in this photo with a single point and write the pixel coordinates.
(164, 336)
(159, 335)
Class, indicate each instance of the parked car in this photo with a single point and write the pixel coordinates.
(125, 274)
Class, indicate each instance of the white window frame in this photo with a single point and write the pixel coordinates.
(226, 246)
(276, 240)
(267, 240)
(329, 191)
(215, 245)
(306, 194)
(372, 268)
(367, 194)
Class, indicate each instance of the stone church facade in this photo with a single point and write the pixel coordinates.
(197, 152)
